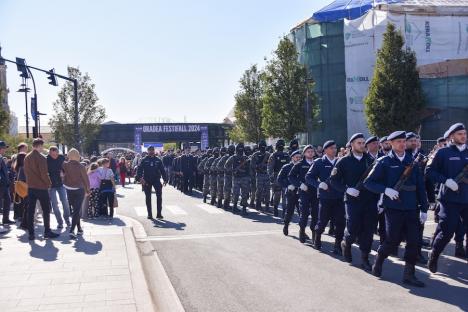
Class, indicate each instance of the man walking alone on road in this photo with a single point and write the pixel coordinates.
(149, 174)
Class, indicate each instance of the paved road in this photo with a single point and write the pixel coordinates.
(218, 261)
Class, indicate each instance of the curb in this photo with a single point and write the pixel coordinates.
(158, 284)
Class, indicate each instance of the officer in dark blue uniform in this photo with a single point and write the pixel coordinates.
(372, 147)
(401, 181)
(360, 204)
(331, 205)
(149, 173)
(385, 147)
(307, 193)
(291, 192)
(449, 167)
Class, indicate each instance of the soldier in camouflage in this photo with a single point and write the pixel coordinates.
(253, 184)
(258, 164)
(206, 174)
(214, 175)
(220, 177)
(277, 160)
(241, 179)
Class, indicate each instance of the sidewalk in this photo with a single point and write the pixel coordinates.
(100, 271)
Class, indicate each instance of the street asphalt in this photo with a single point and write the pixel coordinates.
(218, 261)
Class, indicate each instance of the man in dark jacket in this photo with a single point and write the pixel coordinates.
(5, 200)
(149, 173)
(54, 165)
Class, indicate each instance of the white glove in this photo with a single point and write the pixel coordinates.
(291, 187)
(423, 217)
(323, 186)
(451, 184)
(391, 193)
(352, 191)
(303, 187)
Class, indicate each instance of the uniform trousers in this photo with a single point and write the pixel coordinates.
(449, 218)
(308, 203)
(361, 219)
(331, 209)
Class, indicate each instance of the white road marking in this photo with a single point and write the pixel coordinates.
(175, 210)
(210, 209)
(141, 211)
(209, 235)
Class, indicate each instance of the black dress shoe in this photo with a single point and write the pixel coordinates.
(432, 262)
(149, 217)
(365, 264)
(346, 250)
(50, 234)
(286, 230)
(409, 277)
(159, 217)
(8, 222)
(459, 250)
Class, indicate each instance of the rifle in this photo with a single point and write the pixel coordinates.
(360, 183)
(461, 176)
(241, 165)
(262, 166)
(407, 173)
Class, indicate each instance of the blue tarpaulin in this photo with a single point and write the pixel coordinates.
(349, 9)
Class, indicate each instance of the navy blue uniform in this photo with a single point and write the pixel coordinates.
(331, 205)
(401, 214)
(447, 163)
(361, 211)
(152, 170)
(307, 199)
(291, 196)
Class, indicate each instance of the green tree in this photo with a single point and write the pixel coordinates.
(4, 117)
(248, 108)
(91, 114)
(286, 89)
(395, 97)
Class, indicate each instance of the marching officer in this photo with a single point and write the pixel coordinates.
(241, 180)
(449, 167)
(258, 165)
(149, 173)
(360, 205)
(291, 193)
(220, 169)
(213, 175)
(372, 147)
(400, 179)
(228, 177)
(204, 168)
(307, 193)
(277, 160)
(331, 206)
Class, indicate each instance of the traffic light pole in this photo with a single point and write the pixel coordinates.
(75, 100)
(36, 130)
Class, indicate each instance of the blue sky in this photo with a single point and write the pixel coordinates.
(149, 59)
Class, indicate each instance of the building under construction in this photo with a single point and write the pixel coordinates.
(339, 43)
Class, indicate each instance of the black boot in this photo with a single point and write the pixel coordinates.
(244, 209)
(337, 248)
(421, 258)
(409, 276)
(365, 264)
(331, 230)
(317, 240)
(377, 268)
(302, 235)
(258, 205)
(432, 262)
(286, 229)
(267, 207)
(213, 200)
(220, 203)
(314, 234)
(204, 198)
(275, 211)
(226, 204)
(459, 250)
(234, 207)
(346, 250)
(252, 204)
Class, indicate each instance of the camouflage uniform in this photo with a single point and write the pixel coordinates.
(241, 180)
(277, 160)
(220, 168)
(228, 181)
(258, 165)
(207, 177)
(214, 180)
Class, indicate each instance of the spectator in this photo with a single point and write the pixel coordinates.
(94, 183)
(21, 204)
(76, 183)
(5, 199)
(107, 188)
(54, 164)
(37, 178)
(123, 170)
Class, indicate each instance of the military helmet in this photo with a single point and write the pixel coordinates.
(216, 150)
(262, 143)
(223, 150)
(231, 149)
(239, 147)
(280, 142)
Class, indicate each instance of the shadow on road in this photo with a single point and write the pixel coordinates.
(166, 224)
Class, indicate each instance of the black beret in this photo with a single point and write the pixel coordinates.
(441, 139)
(372, 139)
(328, 144)
(356, 136)
(410, 135)
(150, 147)
(383, 139)
(456, 127)
(397, 135)
(296, 152)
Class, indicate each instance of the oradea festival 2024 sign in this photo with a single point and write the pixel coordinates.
(170, 128)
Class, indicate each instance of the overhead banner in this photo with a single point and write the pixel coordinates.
(434, 39)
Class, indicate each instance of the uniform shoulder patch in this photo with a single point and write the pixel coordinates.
(334, 171)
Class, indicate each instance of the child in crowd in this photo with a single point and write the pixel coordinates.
(107, 188)
(94, 182)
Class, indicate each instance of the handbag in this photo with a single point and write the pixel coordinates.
(21, 189)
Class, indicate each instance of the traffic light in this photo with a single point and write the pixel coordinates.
(21, 66)
(52, 78)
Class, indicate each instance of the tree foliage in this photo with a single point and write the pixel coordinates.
(91, 114)
(248, 108)
(286, 90)
(395, 97)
